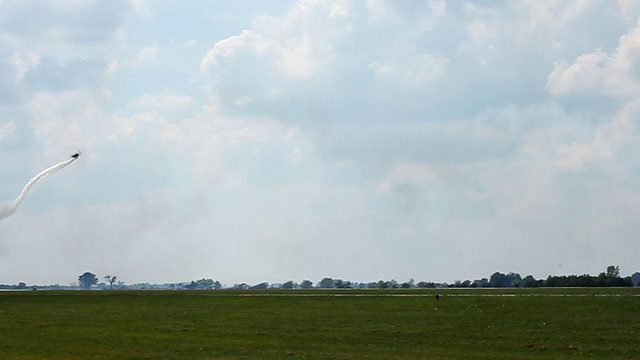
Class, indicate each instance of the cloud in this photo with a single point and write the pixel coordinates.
(54, 46)
(145, 55)
(162, 101)
(243, 100)
(406, 134)
(295, 61)
(305, 49)
(598, 72)
(610, 140)
(7, 130)
(296, 45)
(476, 139)
(399, 174)
(55, 25)
(575, 155)
(419, 70)
(142, 7)
(48, 74)
(22, 65)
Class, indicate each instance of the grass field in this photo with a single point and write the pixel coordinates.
(318, 324)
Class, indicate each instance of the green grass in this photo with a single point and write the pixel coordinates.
(357, 324)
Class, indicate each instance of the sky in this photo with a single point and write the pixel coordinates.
(287, 140)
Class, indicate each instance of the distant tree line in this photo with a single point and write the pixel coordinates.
(605, 279)
(610, 278)
(203, 284)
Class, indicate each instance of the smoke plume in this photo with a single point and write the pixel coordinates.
(7, 209)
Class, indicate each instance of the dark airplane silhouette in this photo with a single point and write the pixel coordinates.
(75, 156)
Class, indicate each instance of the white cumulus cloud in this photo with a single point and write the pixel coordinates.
(162, 101)
(599, 72)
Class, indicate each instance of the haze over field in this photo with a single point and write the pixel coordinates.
(266, 141)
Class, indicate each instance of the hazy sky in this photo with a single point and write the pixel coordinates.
(273, 140)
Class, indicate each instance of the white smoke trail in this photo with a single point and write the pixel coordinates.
(7, 210)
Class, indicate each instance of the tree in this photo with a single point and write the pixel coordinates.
(306, 284)
(613, 271)
(342, 284)
(326, 283)
(203, 283)
(497, 279)
(528, 281)
(479, 283)
(426, 284)
(261, 286)
(408, 284)
(87, 280)
(110, 279)
(504, 280)
(289, 285)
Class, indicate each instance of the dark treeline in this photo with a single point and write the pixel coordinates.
(605, 279)
(610, 278)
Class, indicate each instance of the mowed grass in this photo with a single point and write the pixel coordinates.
(341, 324)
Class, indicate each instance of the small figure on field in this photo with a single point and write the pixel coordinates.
(437, 297)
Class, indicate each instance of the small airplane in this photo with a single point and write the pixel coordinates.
(76, 154)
